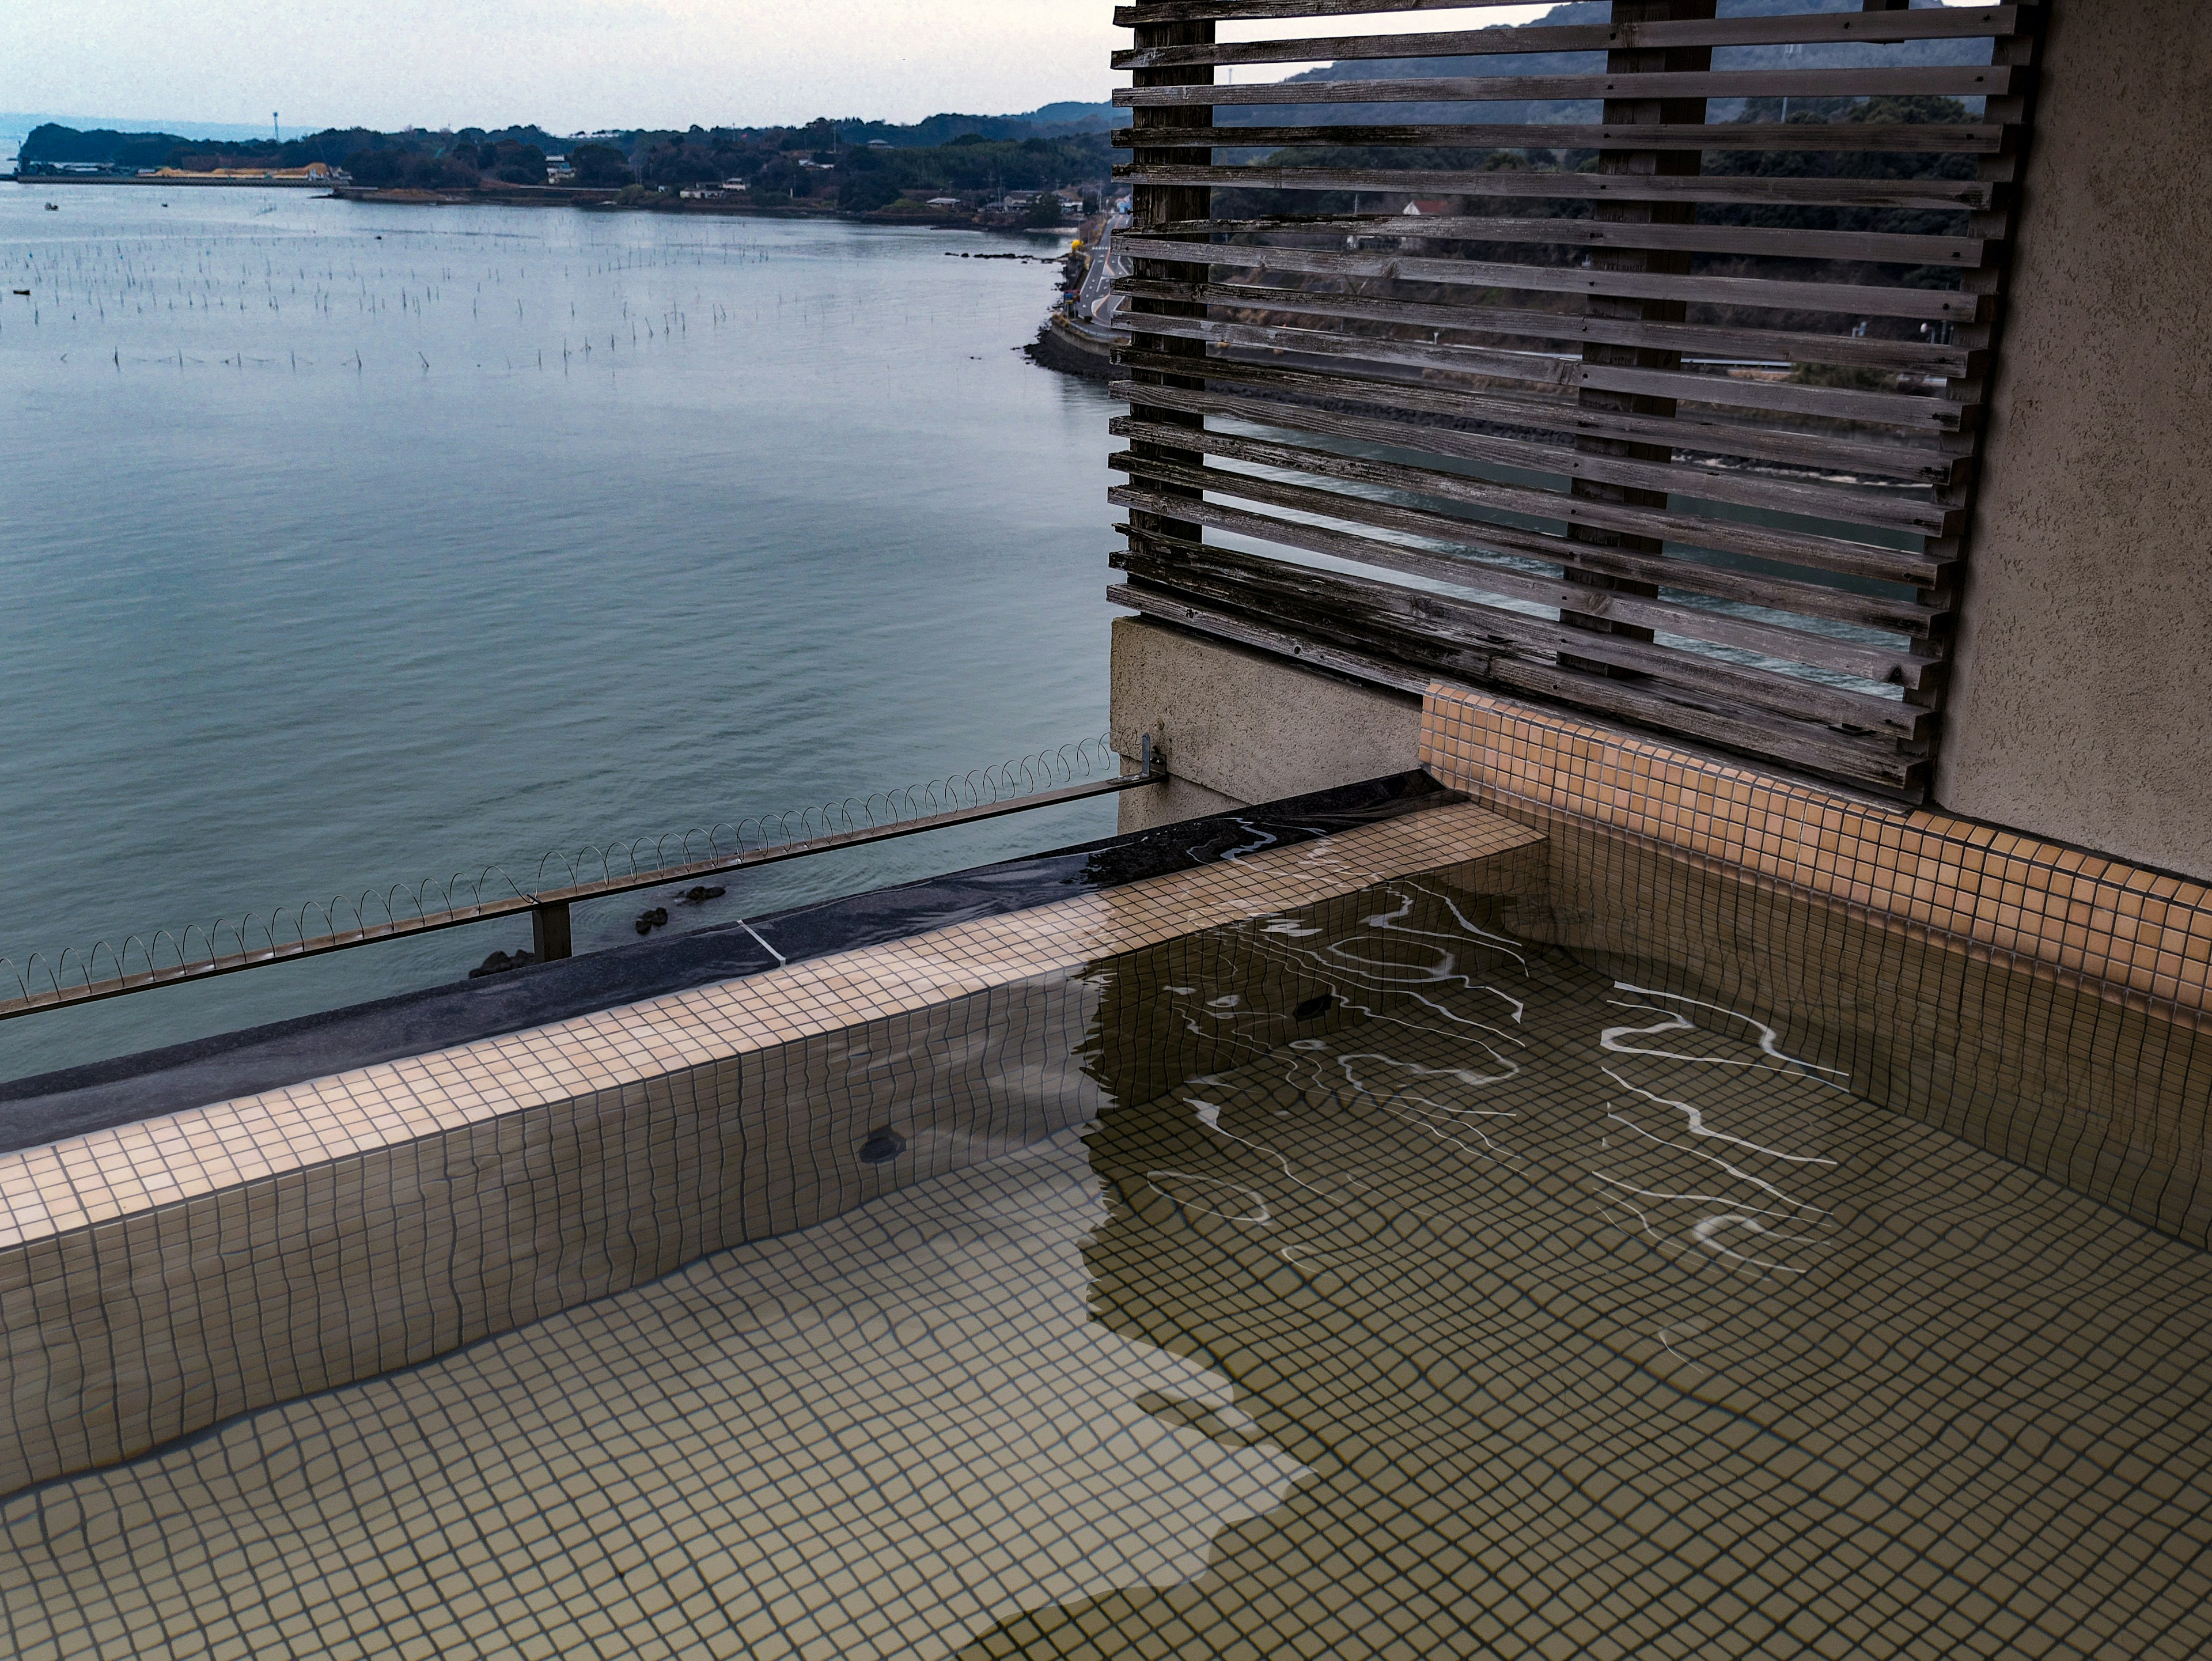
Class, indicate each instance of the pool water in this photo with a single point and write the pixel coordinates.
(1420, 1291)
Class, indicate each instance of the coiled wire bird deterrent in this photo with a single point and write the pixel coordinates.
(196, 951)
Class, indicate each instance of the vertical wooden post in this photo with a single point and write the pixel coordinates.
(1155, 204)
(1637, 111)
(1996, 228)
(549, 932)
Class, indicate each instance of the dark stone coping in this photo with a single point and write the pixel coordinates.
(53, 1106)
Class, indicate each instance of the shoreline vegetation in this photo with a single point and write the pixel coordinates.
(1005, 172)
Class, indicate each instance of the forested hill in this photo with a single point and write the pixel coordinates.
(54, 144)
(51, 144)
(1052, 121)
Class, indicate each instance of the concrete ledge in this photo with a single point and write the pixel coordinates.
(1141, 810)
(1238, 725)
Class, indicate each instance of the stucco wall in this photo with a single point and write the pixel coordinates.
(2082, 701)
(1243, 725)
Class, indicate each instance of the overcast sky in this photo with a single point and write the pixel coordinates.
(574, 65)
(569, 64)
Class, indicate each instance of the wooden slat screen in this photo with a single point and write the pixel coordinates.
(1631, 358)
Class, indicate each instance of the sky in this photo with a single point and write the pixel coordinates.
(569, 65)
(577, 65)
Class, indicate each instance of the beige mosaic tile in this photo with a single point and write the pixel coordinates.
(157, 1278)
(1422, 1292)
(870, 1438)
(2039, 1002)
(2138, 933)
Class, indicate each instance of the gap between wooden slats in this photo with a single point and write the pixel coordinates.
(1906, 413)
(1193, 11)
(1384, 407)
(1188, 566)
(1698, 339)
(1694, 530)
(1843, 299)
(1935, 138)
(1481, 533)
(1810, 28)
(1911, 515)
(1868, 660)
(1883, 248)
(1963, 81)
(1940, 195)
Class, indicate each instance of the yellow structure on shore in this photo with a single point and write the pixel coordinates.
(315, 173)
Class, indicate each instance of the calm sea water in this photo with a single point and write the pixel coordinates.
(343, 546)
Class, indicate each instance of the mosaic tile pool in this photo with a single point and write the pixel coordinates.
(1417, 1287)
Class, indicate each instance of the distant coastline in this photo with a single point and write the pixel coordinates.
(180, 181)
(553, 196)
(1016, 173)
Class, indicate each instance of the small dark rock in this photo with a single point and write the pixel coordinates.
(882, 1147)
(499, 961)
(1313, 1008)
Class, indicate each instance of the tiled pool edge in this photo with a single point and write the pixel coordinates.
(2046, 1005)
(160, 1278)
(2116, 926)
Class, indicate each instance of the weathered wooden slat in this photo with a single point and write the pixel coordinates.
(1992, 81)
(1922, 414)
(1874, 763)
(1632, 161)
(1843, 299)
(1700, 340)
(1183, 11)
(1939, 195)
(1805, 553)
(1893, 665)
(1770, 242)
(1385, 515)
(1839, 135)
(1386, 410)
(1951, 23)
(1395, 556)
(1232, 575)
(1909, 414)
(1403, 678)
(1380, 410)
(1890, 511)
(1152, 204)
(1394, 426)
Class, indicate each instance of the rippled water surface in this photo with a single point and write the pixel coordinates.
(1417, 1292)
(345, 545)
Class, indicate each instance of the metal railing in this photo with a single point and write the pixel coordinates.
(312, 930)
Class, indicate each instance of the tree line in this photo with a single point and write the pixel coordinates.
(816, 162)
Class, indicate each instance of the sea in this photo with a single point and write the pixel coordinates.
(345, 547)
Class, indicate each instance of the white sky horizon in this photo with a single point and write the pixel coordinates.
(584, 65)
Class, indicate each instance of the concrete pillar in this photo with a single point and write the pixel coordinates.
(2082, 701)
(1239, 727)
